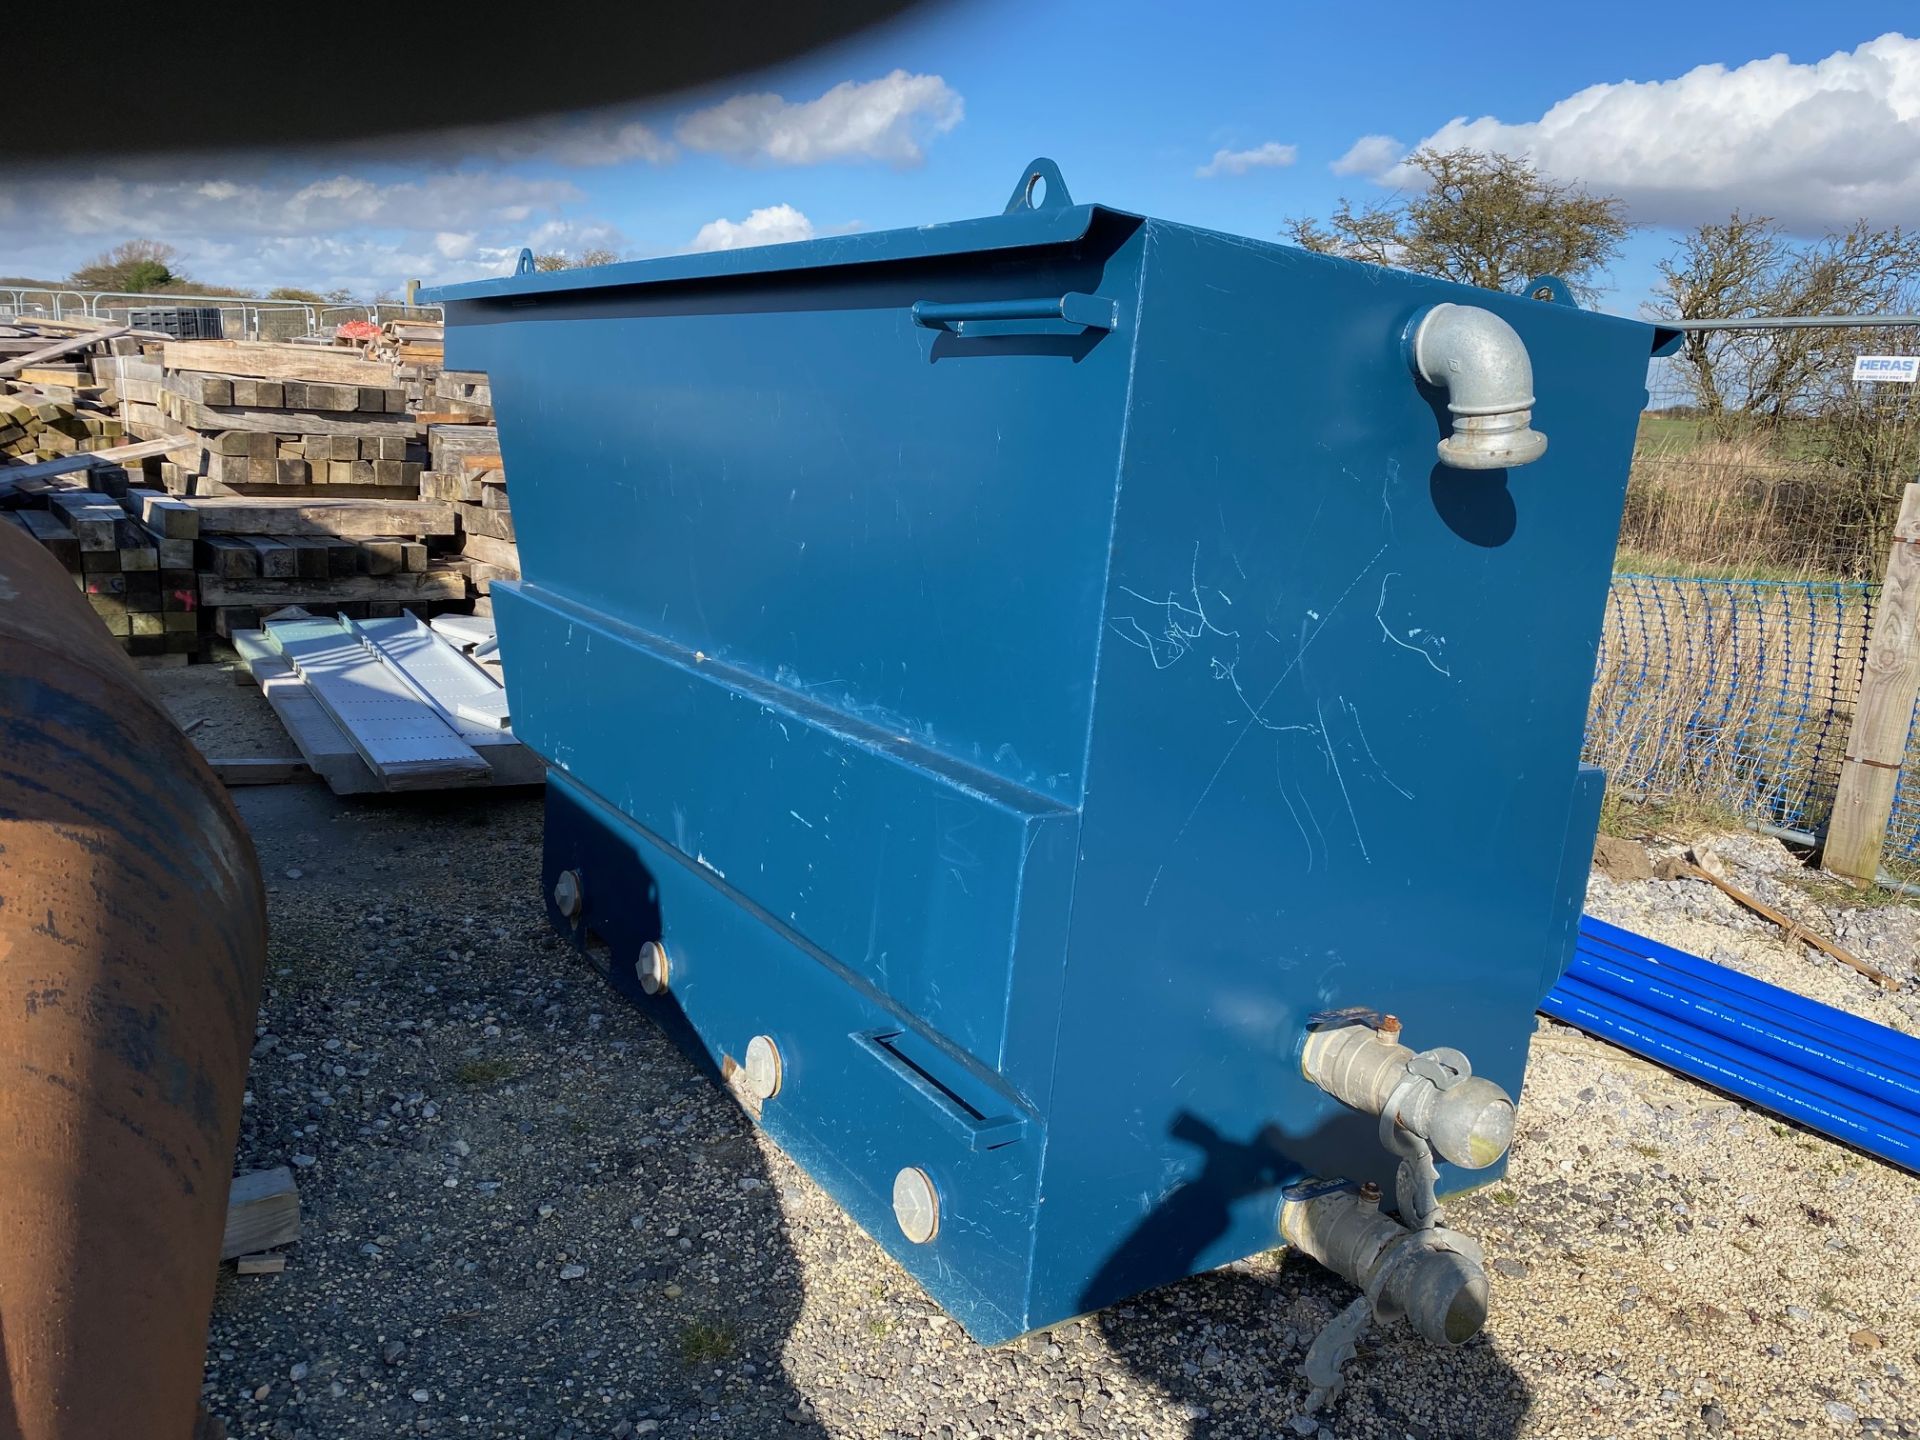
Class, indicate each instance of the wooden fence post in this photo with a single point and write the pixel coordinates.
(1883, 710)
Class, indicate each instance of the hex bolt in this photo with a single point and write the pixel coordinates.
(653, 967)
(763, 1067)
(1388, 1028)
(916, 1205)
(1369, 1197)
(566, 894)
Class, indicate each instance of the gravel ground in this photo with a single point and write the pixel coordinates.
(526, 1214)
(229, 715)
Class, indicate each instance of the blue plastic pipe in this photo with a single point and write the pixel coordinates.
(1601, 938)
(1732, 1068)
(1869, 1072)
(1846, 1077)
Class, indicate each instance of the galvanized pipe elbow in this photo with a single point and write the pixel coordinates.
(1482, 363)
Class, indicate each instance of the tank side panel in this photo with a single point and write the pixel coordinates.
(1335, 746)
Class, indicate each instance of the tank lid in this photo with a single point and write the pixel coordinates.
(1041, 212)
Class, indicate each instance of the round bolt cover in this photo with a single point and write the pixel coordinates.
(763, 1067)
(652, 967)
(916, 1205)
(566, 893)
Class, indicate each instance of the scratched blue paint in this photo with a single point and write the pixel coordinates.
(1027, 710)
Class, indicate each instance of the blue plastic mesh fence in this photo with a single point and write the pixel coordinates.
(1903, 830)
(1736, 691)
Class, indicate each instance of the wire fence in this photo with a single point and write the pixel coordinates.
(1737, 692)
(242, 317)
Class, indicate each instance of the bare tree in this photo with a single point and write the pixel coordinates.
(312, 297)
(560, 260)
(1482, 219)
(1747, 267)
(1862, 271)
(1720, 272)
(138, 265)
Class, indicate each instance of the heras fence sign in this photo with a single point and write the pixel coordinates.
(1904, 368)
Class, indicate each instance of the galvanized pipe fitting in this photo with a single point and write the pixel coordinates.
(1482, 363)
(1467, 1119)
(1432, 1277)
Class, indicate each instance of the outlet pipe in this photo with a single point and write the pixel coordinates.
(132, 938)
(1820, 1067)
(1439, 1289)
(1468, 1119)
(1482, 364)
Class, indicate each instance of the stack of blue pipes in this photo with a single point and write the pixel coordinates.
(1833, 1072)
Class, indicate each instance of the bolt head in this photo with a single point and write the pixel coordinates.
(566, 894)
(763, 1067)
(653, 967)
(916, 1205)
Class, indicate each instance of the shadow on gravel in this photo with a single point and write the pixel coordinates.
(525, 1212)
(1227, 1345)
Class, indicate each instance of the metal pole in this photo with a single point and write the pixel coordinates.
(1789, 322)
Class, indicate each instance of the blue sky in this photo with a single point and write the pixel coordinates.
(931, 117)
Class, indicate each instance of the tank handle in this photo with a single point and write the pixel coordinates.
(1041, 187)
(1090, 312)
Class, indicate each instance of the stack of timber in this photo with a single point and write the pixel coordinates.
(304, 470)
(292, 419)
(53, 403)
(362, 558)
(133, 558)
(165, 572)
(387, 705)
(468, 475)
(463, 451)
(415, 349)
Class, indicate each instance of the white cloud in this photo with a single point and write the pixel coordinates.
(1813, 145)
(259, 229)
(889, 119)
(773, 225)
(108, 205)
(1238, 162)
(1371, 155)
(571, 237)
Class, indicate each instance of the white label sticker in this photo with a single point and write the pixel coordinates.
(1903, 368)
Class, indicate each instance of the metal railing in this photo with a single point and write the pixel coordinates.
(243, 317)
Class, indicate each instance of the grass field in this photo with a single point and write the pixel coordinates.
(1771, 504)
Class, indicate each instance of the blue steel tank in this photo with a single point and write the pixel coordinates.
(1040, 705)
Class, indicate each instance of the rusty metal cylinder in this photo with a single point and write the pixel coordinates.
(132, 940)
